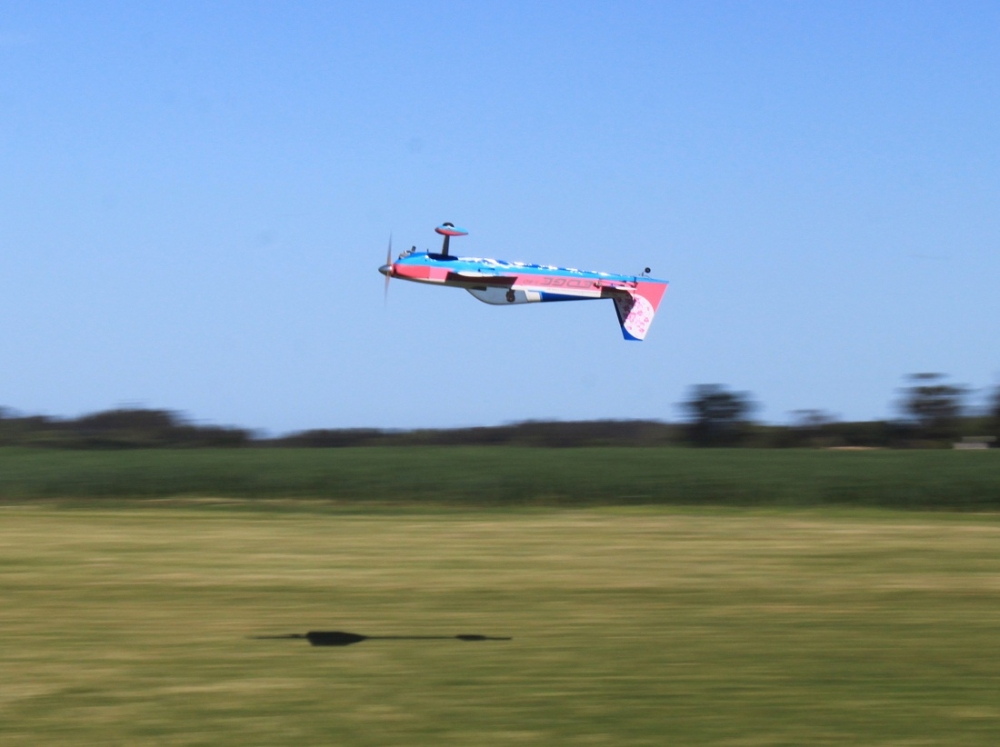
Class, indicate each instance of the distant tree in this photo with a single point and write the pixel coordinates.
(811, 419)
(128, 428)
(995, 411)
(933, 407)
(716, 416)
(811, 428)
(335, 438)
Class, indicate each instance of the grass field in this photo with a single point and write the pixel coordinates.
(512, 476)
(641, 626)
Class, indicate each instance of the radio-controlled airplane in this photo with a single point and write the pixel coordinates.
(494, 281)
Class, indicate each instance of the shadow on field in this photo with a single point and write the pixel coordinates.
(340, 638)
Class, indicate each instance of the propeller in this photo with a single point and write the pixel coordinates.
(386, 270)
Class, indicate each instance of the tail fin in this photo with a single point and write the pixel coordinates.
(636, 311)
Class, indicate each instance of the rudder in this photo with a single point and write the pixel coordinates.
(636, 311)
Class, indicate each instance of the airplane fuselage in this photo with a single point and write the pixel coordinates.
(502, 283)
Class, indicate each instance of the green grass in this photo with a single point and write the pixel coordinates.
(642, 626)
(512, 476)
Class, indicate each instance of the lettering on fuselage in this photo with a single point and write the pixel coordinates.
(551, 282)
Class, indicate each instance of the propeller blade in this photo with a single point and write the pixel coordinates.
(388, 262)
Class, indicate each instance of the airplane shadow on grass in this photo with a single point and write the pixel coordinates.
(340, 638)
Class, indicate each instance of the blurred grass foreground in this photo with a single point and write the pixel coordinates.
(482, 476)
(643, 609)
(643, 626)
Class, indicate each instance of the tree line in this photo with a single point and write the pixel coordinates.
(932, 413)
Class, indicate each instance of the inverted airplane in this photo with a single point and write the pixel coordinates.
(500, 283)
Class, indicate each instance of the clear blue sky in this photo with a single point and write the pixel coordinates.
(195, 198)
